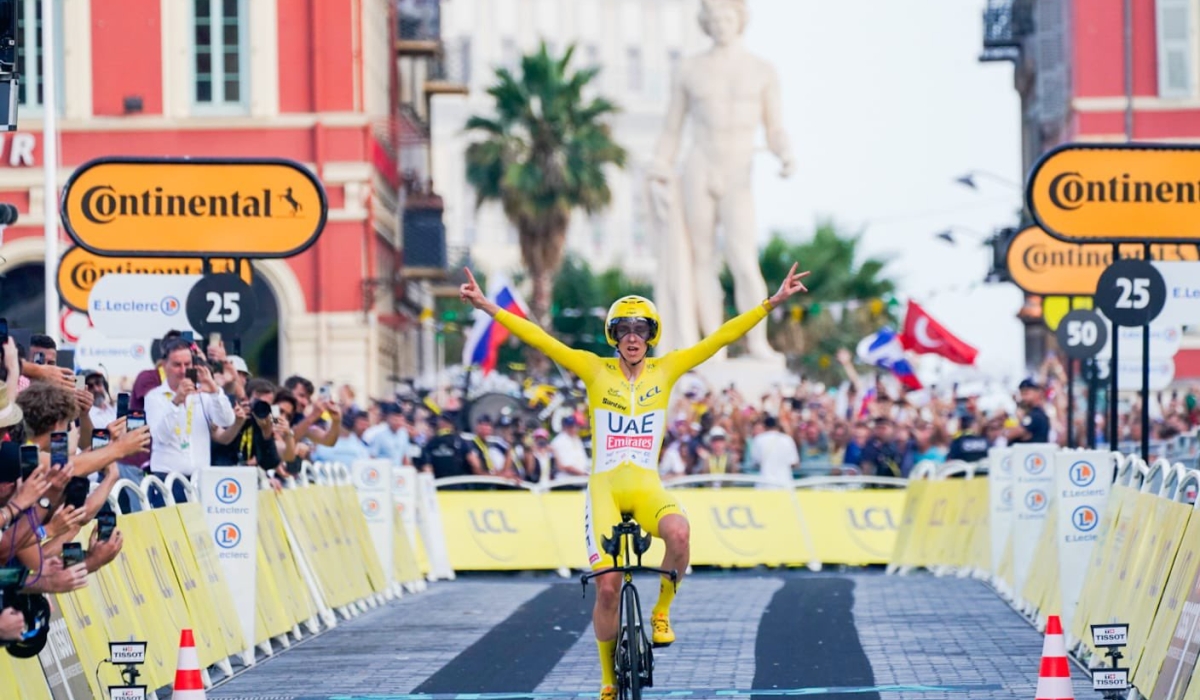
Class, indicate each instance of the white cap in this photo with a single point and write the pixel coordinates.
(716, 432)
(239, 364)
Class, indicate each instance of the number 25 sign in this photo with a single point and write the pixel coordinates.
(221, 304)
(1131, 293)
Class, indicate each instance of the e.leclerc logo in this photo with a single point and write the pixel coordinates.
(169, 305)
(1082, 474)
(370, 476)
(1006, 497)
(370, 507)
(1085, 518)
(228, 535)
(1036, 500)
(1035, 464)
(228, 491)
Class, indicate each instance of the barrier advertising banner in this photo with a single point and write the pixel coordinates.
(432, 532)
(373, 483)
(1033, 488)
(229, 497)
(404, 498)
(1000, 501)
(1082, 480)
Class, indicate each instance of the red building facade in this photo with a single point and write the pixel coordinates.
(1099, 71)
(315, 81)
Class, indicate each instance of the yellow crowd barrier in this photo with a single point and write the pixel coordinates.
(1143, 567)
(314, 556)
(730, 526)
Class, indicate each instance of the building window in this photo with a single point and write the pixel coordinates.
(634, 66)
(1176, 60)
(29, 53)
(219, 53)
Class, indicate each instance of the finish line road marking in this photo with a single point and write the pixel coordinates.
(702, 693)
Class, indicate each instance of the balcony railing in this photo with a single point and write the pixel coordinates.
(1006, 23)
(420, 29)
(448, 74)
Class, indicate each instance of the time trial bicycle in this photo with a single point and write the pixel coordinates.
(634, 662)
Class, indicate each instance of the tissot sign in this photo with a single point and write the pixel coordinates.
(1042, 264)
(191, 207)
(1118, 192)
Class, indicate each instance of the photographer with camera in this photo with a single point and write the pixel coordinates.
(260, 435)
(181, 414)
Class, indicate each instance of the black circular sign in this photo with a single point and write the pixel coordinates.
(1081, 334)
(1131, 293)
(221, 304)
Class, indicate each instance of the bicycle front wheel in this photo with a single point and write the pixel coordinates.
(633, 643)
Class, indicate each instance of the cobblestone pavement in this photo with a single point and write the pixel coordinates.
(833, 635)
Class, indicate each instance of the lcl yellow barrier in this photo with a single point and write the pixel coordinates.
(730, 527)
(168, 577)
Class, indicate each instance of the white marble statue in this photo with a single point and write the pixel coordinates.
(728, 93)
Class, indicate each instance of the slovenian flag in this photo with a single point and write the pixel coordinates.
(883, 349)
(487, 335)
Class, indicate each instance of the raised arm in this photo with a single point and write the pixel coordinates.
(683, 360)
(579, 362)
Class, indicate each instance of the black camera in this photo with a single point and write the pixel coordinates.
(35, 609)
(260, 409)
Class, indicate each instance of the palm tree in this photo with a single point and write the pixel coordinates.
(542, 156)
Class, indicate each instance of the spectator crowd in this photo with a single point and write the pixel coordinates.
(66, 438)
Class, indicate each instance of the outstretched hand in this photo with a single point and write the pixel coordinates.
(791, 285)
(473, 295)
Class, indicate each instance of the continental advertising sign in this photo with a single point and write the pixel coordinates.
(1117, 192)
(79, 271)
(193, 207)
(1042, 264)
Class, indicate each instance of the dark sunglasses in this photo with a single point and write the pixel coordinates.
(639, 327)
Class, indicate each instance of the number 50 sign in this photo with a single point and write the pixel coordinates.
(221, 304)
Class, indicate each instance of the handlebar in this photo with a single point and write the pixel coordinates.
(672, 574)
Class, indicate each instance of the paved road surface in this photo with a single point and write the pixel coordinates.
(858, 636)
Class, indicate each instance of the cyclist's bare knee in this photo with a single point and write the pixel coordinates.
(675, 532)
(608, 589)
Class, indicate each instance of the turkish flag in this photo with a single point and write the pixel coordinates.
(923, 335)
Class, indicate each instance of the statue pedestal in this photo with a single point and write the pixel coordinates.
(751, 376)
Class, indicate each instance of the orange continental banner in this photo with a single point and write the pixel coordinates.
(1042, 264)
(1118, 192)
(79, 270)
(194, 207)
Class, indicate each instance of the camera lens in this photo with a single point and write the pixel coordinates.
(261, 409)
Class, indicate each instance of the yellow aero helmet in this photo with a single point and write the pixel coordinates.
(632, 307)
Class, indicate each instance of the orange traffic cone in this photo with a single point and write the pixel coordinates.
(1054, 678)
(188, 683)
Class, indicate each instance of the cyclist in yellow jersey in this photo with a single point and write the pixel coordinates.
(627, 403)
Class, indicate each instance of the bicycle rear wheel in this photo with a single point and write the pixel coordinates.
(632, 643)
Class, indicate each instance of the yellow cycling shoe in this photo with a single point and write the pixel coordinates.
(663, 634)
(608, 692)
